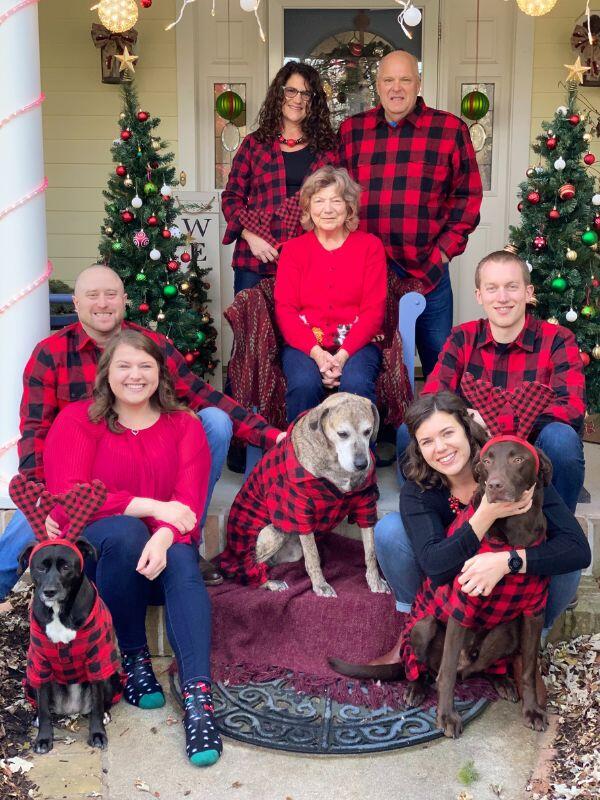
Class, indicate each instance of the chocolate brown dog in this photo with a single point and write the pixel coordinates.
(505, 471)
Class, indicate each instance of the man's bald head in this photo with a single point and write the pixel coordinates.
(398, 84)
(99, 299)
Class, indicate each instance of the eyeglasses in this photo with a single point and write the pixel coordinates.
(290, 93)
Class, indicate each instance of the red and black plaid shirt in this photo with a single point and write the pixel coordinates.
(512, 596)
(256, 198)
(422, 188)
(280, 492)
(541, 352)
(62, 369)
(91, 656)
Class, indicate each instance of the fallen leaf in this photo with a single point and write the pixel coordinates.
(171, 720)
(236, 785)
(464, 796)
(17, 764)
(141, 785)
(497, 789)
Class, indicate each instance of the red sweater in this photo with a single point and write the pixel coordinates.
(168, 461)
(331, 297)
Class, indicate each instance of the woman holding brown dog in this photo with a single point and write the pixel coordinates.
(412, 544)
(330, 292)
(152, 455)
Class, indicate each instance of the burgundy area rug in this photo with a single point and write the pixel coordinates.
(260, 635)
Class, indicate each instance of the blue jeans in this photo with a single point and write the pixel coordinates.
(119, 542)
(245, 279)
(305, 388)
(18, 534)
(563, 446)
(404, 575)
(434, 325)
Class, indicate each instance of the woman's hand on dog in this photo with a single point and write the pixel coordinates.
(52, 528)
(154, 555)
(487, 513)
(481, 573)
(175, 513)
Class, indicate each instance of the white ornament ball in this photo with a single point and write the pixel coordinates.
(154, 254)
(563, 110)
(571, 315)
(166, 190)
(529, 266)
(539, 170)
(587, 137)
(117, 142)
(560, 164)
(248, 5)
(596, 199)
(137, 202)
(412, 16)
(175, 232)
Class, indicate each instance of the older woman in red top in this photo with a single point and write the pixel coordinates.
(330, 296)
(152, 455)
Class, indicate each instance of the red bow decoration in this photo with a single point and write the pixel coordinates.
(80, 503)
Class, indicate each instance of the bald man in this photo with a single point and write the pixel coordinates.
(62, 369)
(422, 189)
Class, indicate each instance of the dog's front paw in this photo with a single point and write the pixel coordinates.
(98, 739)
(43, 744)
(324, 590)
(275, 586)
(451, 723)
(377, 584)
(535, 717)
(506, 688)
(414, 694)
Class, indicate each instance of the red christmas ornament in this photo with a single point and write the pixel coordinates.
(520, 206)
(166, 197)
(574, 119)
(121, 171)
(126, 135)
(185, 257)
(355, 49)
(585, 358)
(172, 265)
(127, 216)
(152, 221)
(533, 198)
(554, 213)
(596, 223)
(551, 142)
(166, 233)
(154, 165)
(142, 116)
(540, 242)
(566, 191)
(146, 3)
(595, 283)
(144, 308)
(189, 358)
(589, 159)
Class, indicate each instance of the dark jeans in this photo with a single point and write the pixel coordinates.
(245, 279)
(434, 325)
(304, 385)
(119, 542)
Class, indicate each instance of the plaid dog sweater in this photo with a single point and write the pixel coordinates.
(512, 596)
(281, 492)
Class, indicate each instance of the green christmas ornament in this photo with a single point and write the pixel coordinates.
(150, 188)
(170, 290)
(200, 337)
(589, 237)
(559, 284)
(588, 311)
(141, 277)
(230, 105)
(116, 247)
(474, 105)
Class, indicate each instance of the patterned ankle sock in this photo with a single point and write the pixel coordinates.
(202, 741)
(141, 689)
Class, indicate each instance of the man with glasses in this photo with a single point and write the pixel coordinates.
(422, 189)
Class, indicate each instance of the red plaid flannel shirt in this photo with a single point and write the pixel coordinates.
(280, 492)
(256, 198)
(62, 369)
(422, 188)
(90, 657)
(541, 352)
(512, 596)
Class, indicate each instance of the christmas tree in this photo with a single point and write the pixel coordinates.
(560, 217)
(166, 288)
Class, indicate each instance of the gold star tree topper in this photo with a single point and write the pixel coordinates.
(126, 60)
(576, 71)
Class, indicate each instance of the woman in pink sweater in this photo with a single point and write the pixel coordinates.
(152, 455)
(330, 293)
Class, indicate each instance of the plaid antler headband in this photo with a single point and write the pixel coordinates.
(36, 503)
(509, 415)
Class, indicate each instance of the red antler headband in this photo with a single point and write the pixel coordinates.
(80, 503)
(509, 415)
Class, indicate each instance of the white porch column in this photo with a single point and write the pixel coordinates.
(23, 256)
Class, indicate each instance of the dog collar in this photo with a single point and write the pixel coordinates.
(63, 542)
(505, 437)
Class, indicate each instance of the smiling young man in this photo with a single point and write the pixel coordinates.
(512, 346)
(62, 369)
(421, 189)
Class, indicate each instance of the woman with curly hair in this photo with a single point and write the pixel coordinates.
(260, 202)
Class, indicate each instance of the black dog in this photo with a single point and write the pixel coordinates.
(72, 642)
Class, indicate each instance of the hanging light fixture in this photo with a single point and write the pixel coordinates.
(410, 15)
(117, 16)
(536, 8)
